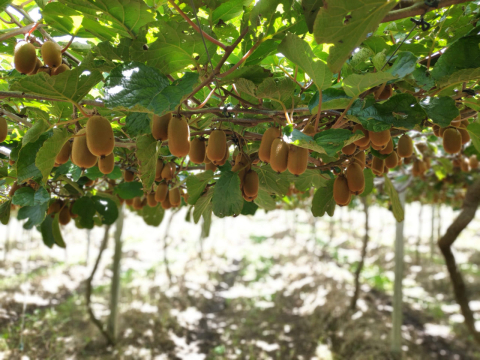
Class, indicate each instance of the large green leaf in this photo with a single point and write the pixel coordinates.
(442, 110)
(265, 200)
(196, 185)
(397, 208)
(323, 200)
(107, 208)
(228, 10)
(355, 84)
(474, 131)
(141, 88)
(272, 182)
(26, 196)
(70, 85)
(404, 64)
(45, 159)
(152, 216)
(202, 205)
(85, 209)
(300, 53)
(137, 124)
(345, 24)
(368, 174)
(147, 158)
(129, 190)
(5, 212)
(62, 18)
(35, 131)
(50, 230)
(310, 11)
(279, 90)
(227, 196)
(26, 168)
(35, 214)
(327, 142)
(459, 77)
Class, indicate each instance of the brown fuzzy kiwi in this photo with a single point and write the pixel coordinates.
(465, 135)
(64, 154)
(436, 130)
(248, 198)
(355, 178)
(137, 203)
(128, 175)
(308, 130)
(64, 216)
(380, 138)
(168, 171)
(3, 129)
(197, 150)
(405, 146)
(174, 197)
(100, 140)
(225, 157)
(266, 144)
(378, 165)
(360, 158)
(442, 131)
(473, 162)
(349, 149)
(90, 183)
(464, 165)
(217, 143)
(206, 160)
(363, 141)
(341, 192)
(242, 161)
(456, 163)
(250, 184)
(297, 160)
(376, 147)
(418, 168)
(151, 201)
(161, 193)
(388, 149)
(55, 207)
(166, 203)
(51, 54)
(81, 155)
(279, 155)
(407, 160)
(106, 164)
(129, 202)
(211, 166)
(160, 126)
(452, 141)
(25, 57)
(392, 160)
(61, 69)
(179, 137)
(384, 94)
(38, 65)
(158, 169)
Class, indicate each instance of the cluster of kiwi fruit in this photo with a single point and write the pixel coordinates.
(466, 164)
(64, 210)
(175, 130)
(454, 136)
(26, 61)
(91, 145)
(3, 129)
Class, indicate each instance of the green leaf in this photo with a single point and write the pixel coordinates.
(474, 131)
(323, 200)
(327, 142)
(345, 24)
(147, 158)
(299, 52)
(26, 168)
(442, 110)
(107, 208)
(93, 173)
(115, 174)
(35, 131)
(207, 221)
(310, 11)
(249, 208)
(129, 190)
(85, 209)
(310, 177)
(5, 212)
(202, 205)
(137, 124)
(70, 85)
(397, 208)
(57, 234)
(331, 99)
(265, 200)
(368, 174)
(227, 196)
(264, 50)
(24, 196)
(459, 77)
(152, 216)
(356, 84)
(272, 182)
(196, 185)
(228, 10)
(279, 90)
(34, 214)
(45, 157)
(50, 230)
(140, 88)
(266, 9)
(62, 18)
(404, 65)
(176, 47)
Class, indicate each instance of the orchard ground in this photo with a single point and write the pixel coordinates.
(263, 287)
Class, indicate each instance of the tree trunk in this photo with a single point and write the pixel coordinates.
(439, 221)
(353, 303)
(87, 256)
(470, 205)
(112, 327)
(7, 242)
(419, 237)
(432, 234)
(397, 317)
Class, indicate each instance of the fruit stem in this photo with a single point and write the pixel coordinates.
(68, 45)
(340, 121)
(317, 119)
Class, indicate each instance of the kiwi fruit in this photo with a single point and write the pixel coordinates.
(250, 184)
(197, 150)
(161, 193)
(137, 203)
(179, 137)
(106, 164)
(452, 141)
(158, 169)
(363, 141)
(307, 130)
(355, 178)
(436, 130)
(55, 207)
(349, 149)
(174, 197)
(376, 147)
(128, 175)
(225, 157)
(279, 155)
(242, 161)
(160, 126)
(166, 203)
(418, 168)
(456, 163)
(129, 202)
(168, 171)
(90, 183)
(265, 149)
(383, 94)
(206, 160)
(61, 69)
(392, 160)
(25, 57)
(464, 165)
(380, 138)
(151, 201)
(81, 155)
(297, 160)
(360, 158)
(217, 143)
(211, 166)
(51, 54)
(64, 154)
(100, 140)
(378, 165)
(465, 135)
(64, 216)
(341, 191)
(387, 149)
(473, 162)
(38, 65)
(3, 129)
(405, 146)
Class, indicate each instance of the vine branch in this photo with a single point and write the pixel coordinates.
(418, 9)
